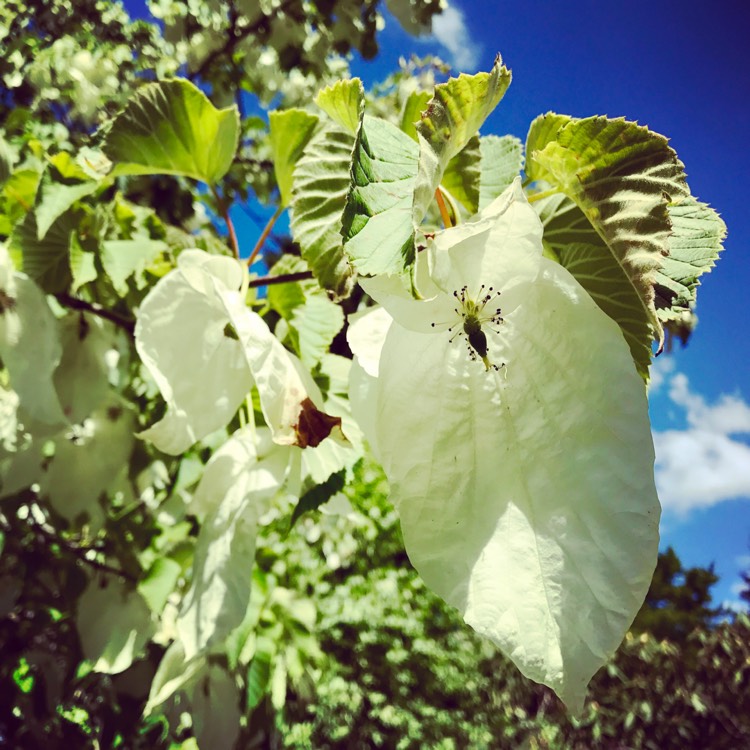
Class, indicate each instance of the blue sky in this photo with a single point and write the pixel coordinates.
(681, 71)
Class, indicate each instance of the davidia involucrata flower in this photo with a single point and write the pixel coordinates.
(513, 428)
(205, 349)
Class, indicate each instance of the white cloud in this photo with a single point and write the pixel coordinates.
(449, 29)
(660, 370)
(704, 463)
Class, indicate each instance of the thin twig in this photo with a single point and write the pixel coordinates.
(75, 303)
(284, 278)
(264, 235)
(223, 207)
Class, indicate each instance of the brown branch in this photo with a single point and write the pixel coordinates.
(284, 278)
(264, 235)
(75, 303)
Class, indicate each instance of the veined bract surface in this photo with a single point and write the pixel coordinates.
(521, 459)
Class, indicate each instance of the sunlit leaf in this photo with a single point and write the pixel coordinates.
(344, 103)
(171, 127)
(290, 130)
(623, 177)
(502, 161)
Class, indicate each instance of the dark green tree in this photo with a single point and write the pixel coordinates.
(678, 601)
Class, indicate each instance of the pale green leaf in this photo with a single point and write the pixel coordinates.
(29, 344)
(415, 104)
(82, 265)
(123, 258)
(623, 177)
(575, 244)
(694, 247)
(56, 196)
(114, 624)
(171, 127)
(174, 673)
(344, 103)
(290, 130)
(462, 176)
(88, 460)
(317, 322)
(378, 228)
(81, 378)
(46, 261)
(259, 672)
(215, 702)
(321, 185)
(159, 583)
(454, 115)
(7, 160)
(502, 161)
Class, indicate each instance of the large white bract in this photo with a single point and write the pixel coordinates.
(516, 439)
(205, 348)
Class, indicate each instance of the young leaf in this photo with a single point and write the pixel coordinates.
(623, 177)
(171, 127)
(114, 624)
(122, 258)
(317, 322)
(502, 161)
(317, 495)
(45, 261)
(344, 103)
(58, 192)
(377, 228)
(290, 130)
(321, 185)
(454, 114)
(694, 246)
(462, 175)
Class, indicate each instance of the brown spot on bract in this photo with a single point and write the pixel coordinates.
(6, 301)
(313, 426)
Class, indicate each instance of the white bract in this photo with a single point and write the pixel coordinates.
(205, 349)
(513, 428)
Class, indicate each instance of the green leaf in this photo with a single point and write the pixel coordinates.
(694, 247)
(55, 197)
(462, 176)
(317, 322)
(454, 114)
(378, 229)
(415, 104)
(82, 265)
(159, 583)
(290, 131)
(344, 103)
(317, 495)
(171, 127)
(259, 672)
(46, 261)
(114, 624)
(17, 198)
(122, 258)
(623, 177)
(321, 186)
(502, 160)
(7, 160)
(575, 244)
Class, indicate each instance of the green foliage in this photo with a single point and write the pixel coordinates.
(253, 590)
